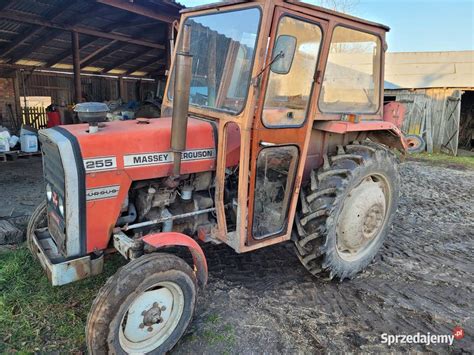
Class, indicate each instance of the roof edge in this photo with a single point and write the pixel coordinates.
(337, 13)
(293, 2)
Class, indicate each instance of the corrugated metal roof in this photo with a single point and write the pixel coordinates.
(48, 44)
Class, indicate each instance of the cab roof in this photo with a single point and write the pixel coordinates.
(301, 4)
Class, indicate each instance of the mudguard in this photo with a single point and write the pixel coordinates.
(169, 239)
(341, 127)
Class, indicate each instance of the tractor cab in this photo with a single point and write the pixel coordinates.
(266, 72)
(272, 130)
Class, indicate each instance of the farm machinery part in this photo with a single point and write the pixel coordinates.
(269, 133)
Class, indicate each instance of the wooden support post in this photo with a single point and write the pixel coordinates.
(429, 128)
(35, 20)
(169, 46)
(76, 62)
(16, 90)
(122, 90)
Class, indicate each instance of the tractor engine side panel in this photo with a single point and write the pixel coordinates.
(126, 151)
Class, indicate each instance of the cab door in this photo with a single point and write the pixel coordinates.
(282, 124)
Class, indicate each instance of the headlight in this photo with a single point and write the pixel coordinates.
(49, 192)
(61, 206)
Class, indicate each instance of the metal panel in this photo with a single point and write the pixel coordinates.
(59, 270)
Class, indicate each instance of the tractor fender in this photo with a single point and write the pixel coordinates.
(169, 239)
(385, 132)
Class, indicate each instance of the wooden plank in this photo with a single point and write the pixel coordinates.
(415, 117)
(451, 135)
(442, 121)
(138, 9)
(30, 32)
(4, 4)
(457, 122)
(101, 52)
(67, 52)
(35, 117)
(35, 20)
(146, 64)
(76, 61)
(107, 49)
(84, 42)
(429, 131)
(26, 50)
(128, 58)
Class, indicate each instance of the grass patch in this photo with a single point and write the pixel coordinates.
(216, 333)
(35, 316)
(444, 160)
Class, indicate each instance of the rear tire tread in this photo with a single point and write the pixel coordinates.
(313, 223)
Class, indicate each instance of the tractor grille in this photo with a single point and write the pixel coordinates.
(54, 176)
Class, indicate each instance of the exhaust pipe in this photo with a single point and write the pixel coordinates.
(182, 83)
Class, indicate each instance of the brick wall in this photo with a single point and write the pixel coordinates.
(7, 96)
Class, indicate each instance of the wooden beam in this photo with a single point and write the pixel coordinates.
(16, 91)
(29, 68)
(29, 32)
(67, 52)
(146, 64)
(19, 40)
(139, 10)
(4, 4)
(34, 46)
(122, 90)
(83, 44)
(76, 60)
(101, 52)
(34, 20)
(135, 24)
(128, 58)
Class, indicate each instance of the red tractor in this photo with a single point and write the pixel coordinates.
(272, 130)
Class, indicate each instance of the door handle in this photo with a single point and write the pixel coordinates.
(267, 144)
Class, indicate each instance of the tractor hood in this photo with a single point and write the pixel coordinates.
(142, 147)
(93, 172)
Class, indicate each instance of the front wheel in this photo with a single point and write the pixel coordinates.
(37, 220)
(347, 210)
(144, 308)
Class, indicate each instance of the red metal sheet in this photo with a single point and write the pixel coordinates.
(159, 240)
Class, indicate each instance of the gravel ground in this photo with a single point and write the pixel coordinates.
(21, 189)
(265, 302)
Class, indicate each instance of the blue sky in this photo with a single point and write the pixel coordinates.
(416, 25)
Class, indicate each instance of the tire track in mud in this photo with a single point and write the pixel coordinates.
(422, 281)
(266, 302)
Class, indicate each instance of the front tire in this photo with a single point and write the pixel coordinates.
(37, 220)
(144, 308)
(347, 211)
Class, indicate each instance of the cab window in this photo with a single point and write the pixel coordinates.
(352, 77)
(288, 91)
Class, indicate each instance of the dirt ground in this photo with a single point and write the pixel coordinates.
(265, 301)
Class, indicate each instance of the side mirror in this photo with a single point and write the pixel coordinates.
(284, 49)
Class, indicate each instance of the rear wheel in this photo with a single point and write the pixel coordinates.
(37, 220)
(347, 210)
(144, 308)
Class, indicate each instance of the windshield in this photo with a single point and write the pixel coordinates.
(223, 47)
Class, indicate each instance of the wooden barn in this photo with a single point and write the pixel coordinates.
(437, 89)
(66, 51)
